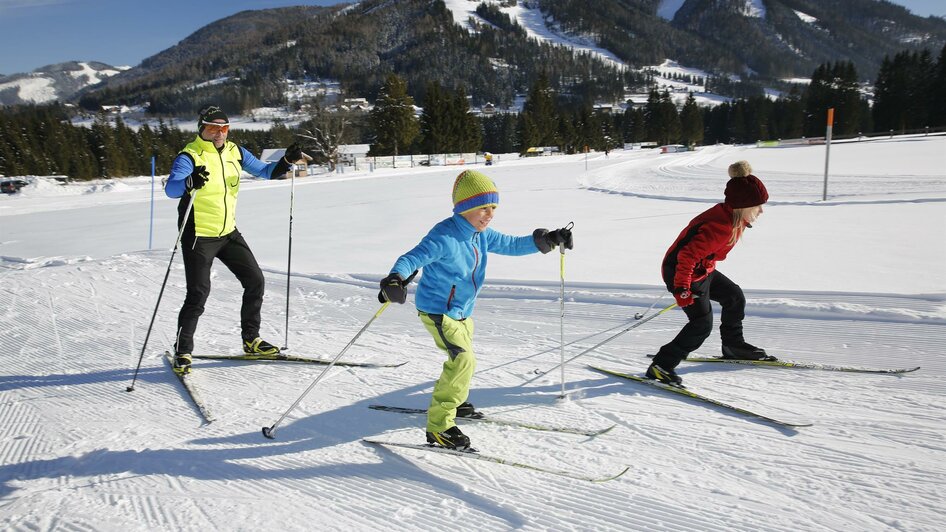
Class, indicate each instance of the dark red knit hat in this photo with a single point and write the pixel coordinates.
(744, 189)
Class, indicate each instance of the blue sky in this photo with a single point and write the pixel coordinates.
(35, 33)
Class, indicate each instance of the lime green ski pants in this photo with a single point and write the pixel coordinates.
(453, 387)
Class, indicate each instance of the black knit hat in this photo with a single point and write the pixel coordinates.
(209, 114)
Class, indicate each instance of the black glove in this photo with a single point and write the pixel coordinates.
(293, 153)
(197, 179)
(394, 289)
(547, 241)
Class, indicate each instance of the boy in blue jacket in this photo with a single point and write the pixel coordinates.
(453, 256)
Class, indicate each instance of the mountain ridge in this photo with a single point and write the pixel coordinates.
(59, 81)
(494, 55)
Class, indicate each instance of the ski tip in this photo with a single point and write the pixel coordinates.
(612, 477)
(605, 431)
(268, 433)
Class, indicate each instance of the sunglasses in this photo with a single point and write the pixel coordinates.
(214, 128)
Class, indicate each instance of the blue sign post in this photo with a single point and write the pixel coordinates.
(151, 222)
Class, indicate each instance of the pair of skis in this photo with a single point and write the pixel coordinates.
(475, 455)
(768, 363)
(187, 379)
(699, 397)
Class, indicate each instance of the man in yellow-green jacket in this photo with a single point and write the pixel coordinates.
(209, 169)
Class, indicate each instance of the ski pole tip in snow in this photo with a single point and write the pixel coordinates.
(268, 432)
(130, 389)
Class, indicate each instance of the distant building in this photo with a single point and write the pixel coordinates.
(271, 155)
(348, 153)
(360, 105)
(609, 108)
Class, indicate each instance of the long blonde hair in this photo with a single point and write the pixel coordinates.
(738, 224)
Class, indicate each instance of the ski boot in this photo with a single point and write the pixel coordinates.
(182, 363)
(451, 438)
(466, 410)
(258, 346)
(745, 351)
(666, 376)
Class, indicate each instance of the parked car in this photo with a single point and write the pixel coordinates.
(673, 148)
(12, 186)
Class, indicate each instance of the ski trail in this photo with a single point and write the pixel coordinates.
(141, 458)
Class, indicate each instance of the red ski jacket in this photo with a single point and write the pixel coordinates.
(694, 253)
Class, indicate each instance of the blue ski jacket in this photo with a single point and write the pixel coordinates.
(453, 256)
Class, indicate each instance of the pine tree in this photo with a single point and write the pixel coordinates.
(937, 93)
(634, 124)
(663, 120)
(469, 135)
(691, 122)
(895, 91)
(392, 119)
(539, 119)
(434, 128)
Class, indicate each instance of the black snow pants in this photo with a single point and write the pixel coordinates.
(715, 287)
(235, 254)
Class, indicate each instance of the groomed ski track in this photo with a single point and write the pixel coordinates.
(74, 441)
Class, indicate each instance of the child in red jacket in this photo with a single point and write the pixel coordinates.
(689, 271)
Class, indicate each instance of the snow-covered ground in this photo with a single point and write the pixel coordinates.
(855, 280)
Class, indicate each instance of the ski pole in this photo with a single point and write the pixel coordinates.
(637, 316)
(177, 243)
(561, 270)
(601, 343)
(292, 199)
(270, 431)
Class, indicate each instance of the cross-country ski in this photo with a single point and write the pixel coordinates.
(475, 455)
(293, 358)
(697, 396)
(499, 421)
(802, 365)
(191, 389)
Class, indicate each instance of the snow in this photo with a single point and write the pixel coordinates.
(534, 23)
(805, 17)
(91, 75)
(754, 8)
(856, 280)
(36, 88)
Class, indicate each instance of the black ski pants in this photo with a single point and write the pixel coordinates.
(235, 254)
(715, 287)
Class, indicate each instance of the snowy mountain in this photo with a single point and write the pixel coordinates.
(497, 49)
(856, 280)
(59, 82)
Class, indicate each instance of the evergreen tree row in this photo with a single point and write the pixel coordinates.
(41, 140)
(910, 94)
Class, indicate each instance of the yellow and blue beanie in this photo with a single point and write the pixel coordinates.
(473, 190)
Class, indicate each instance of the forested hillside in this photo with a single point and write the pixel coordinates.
(243, 61)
